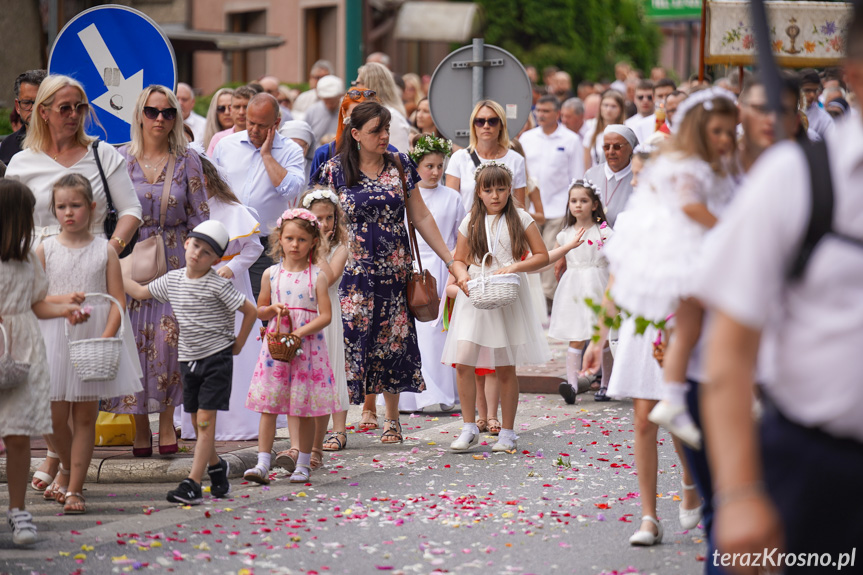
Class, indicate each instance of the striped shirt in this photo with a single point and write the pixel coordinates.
(205, 309)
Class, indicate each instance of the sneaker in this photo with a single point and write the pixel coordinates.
(188, 492)
(505, 444)
(21, 523)
(565, 390)
(465, 441)
(219, 484)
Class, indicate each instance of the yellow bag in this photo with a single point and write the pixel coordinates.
(115, 429)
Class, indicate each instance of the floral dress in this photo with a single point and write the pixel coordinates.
(381, 350)
(154, 324)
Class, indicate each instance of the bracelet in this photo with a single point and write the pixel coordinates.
(732, 494)
(120, 242)
(450, 263)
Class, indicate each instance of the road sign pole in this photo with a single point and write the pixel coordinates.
(478, 51)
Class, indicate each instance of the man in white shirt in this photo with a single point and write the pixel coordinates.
(811, 432)
(820, 121)
(644, 122)
(264, 169)
(554, 156)
(187, 104)
(323, 115)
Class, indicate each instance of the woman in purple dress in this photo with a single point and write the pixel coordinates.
(157, 135)
(381, 352)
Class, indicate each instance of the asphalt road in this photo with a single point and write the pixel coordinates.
(566, 502)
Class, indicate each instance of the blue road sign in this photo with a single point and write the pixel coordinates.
(115, 52)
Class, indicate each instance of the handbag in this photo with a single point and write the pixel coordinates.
(422, 295)
(110, 223)
(12, 373)
(115, 429)
(148, 261)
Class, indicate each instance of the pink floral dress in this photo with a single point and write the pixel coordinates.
(305, 387)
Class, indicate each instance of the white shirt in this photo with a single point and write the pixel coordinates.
(400, 131)
(461, 166)
(198, 125)
(556, 160)
(820, 121)
(242, 164)
(303, 102)
(643, 126)
(815, 325)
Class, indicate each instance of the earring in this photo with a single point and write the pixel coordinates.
(358, 146)
(598, 219)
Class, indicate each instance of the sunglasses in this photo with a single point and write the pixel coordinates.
(80, 108)
(221, 109)
(615, 147)
(357, 94)
(480, 122)
(152, 113)
(644, 97)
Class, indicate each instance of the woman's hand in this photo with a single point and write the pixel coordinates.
(225, 272)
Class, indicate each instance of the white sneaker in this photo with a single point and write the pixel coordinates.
(676, 420)
(689, 518)
(647, 538)
(505, 444)
(465, 441)
(23, 530)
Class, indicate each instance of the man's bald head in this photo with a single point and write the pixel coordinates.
(186, 97)
(271, 85)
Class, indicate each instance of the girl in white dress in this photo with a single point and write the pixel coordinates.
(77, 263)
(581, 241)
(500, 338)
(25, 410)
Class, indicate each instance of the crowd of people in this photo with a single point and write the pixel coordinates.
(602, 222)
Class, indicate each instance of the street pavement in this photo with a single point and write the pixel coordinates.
(565, 502)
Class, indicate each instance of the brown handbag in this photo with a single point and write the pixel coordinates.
(422, 295)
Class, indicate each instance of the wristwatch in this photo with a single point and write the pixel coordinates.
(120, 241)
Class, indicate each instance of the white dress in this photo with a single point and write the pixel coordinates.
(488, 338)
(636, 373)
(586, 276)
(655, 256)
(446, 207)
(26, 409)
(82, 270)
(335, 336)
(534, 280)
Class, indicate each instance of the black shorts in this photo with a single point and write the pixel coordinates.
(207, 381)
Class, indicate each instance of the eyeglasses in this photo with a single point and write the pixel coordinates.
(644, 97)
(480, 122)
(25, 105)
(615, 147)
(152, 113)
(221, 109)
(357, 94)
(80, 108)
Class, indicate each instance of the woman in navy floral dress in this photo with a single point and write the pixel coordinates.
(381, 352)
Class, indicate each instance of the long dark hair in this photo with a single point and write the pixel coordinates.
(350, 155)
(492, 177)
(16, 220)
(597, 214)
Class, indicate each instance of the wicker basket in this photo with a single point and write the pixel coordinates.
(12, 373)
(283, 347)
(98, 358)
(493, 291)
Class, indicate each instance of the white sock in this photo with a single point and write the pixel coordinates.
(574, 359)
(674, 392)
(507, 434)
(304, 459)
(264, 458)
(470, 428)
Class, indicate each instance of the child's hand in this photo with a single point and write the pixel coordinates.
(75, 298)
(577, 241)
(277, 307)
(236, 348)
(462, 283)
(510, 269)
(592, 359)
(225, 272)
(74, 314)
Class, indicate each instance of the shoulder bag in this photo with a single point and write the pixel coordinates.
(422, 295)
(148, 261)
(110, 223)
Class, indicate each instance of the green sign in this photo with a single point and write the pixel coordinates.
(672, 9)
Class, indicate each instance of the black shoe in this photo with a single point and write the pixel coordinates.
(219, 484)
(188, 492)
(566, 391)
(601, 395)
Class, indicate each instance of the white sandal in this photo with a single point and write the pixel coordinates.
(43, 476)
(301, 474)
(689, 518)
(258, 474)
(647, 538)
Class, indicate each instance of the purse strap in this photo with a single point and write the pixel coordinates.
(412, 233)
(166, 190)
(111, 208)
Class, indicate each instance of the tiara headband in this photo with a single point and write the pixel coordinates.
(585, 183)
(298, 213)
(320, 195)
(704, 97)
(494, 163)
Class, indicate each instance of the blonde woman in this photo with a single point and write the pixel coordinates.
(218, 115)
(611, 111)
(377, 77)
(412, 94)
(157, 142)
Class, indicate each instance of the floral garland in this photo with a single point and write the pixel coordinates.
(321, 194)
(429, 144)
(298, 213)
(495, 163)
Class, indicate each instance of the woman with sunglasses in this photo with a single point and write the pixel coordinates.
(57, 144)
(218, 115)
(489, 140)
(158, 142)
(611, 111)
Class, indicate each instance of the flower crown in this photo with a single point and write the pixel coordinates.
(494, 163)
(322, 194)
(585, 183)
(429, 144)
(298, 213)
(703, 97)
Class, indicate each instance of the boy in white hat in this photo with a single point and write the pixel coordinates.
(205, 305)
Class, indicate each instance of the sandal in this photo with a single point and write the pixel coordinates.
(73, 508)
(287, 459)
(601, 395)
(482, 425)
(493, 426)
(41, 479)
(316, 459)
(301, 474)
(366, 424)
(393, 433)
(258, 474)
(55, 491)
(333, 443)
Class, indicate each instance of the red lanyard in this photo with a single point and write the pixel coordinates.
(607, 197)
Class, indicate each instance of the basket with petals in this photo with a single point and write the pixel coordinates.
(491, 291)
(282, 346)
(97, 358)
(12, 373)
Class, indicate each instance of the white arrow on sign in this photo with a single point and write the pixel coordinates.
(122, 92)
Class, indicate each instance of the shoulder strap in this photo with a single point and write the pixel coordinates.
(412, 233)
(821, 215)
(111, 209)
(475, 158)
(166, 189)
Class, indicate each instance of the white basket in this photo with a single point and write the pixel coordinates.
(97, 359)
(493, 291)
(12, 373)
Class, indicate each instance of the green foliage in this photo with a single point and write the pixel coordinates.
(5, 125)
(583, 37)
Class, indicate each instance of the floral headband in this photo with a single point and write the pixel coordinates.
(323, 194)
(428, 144)
(703, 97)
(494, 163)
(298, 213)
(585, 183)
